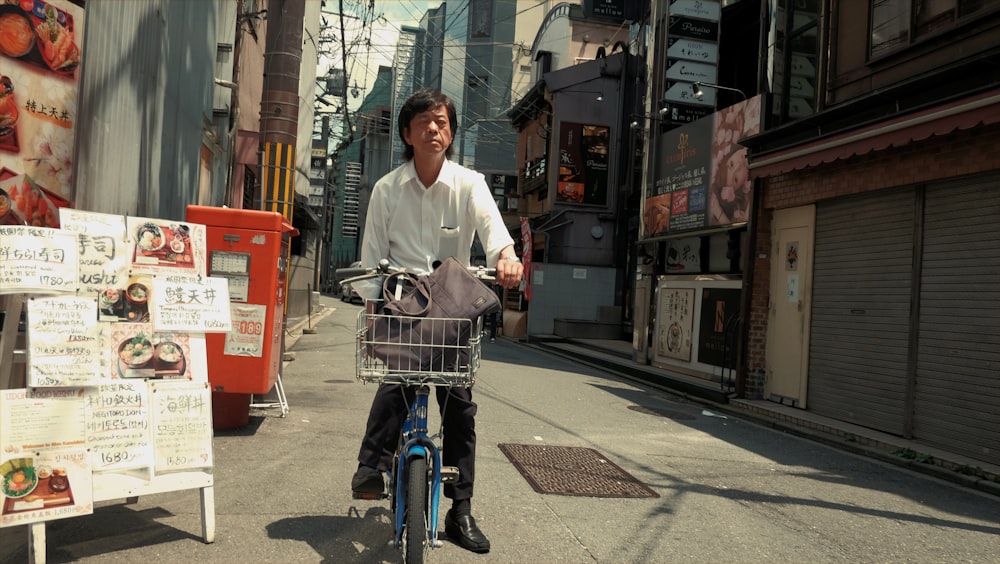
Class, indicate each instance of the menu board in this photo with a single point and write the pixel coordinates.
(37, 259)
(44, 465)
(66, 345)
(103, 248)
(118, 426)
(183, 303)
(41, 419)
(182, 425)
(117, 312)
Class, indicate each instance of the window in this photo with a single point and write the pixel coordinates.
(796, 55)
(897, 23)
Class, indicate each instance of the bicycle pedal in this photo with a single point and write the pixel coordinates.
(369, 496)
(449, 474)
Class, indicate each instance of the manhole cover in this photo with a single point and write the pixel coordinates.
(573, 471)
(677, 415)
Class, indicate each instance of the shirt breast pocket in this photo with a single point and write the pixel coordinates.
(448, 242)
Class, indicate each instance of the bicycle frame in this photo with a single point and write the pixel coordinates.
(416, 443)
(416, 447)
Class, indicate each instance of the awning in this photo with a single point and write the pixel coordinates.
(981, 109)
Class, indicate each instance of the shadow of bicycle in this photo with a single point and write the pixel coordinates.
(354, 538)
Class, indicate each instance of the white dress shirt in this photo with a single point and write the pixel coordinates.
(413, 226)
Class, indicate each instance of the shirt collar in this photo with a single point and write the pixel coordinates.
(446, 177)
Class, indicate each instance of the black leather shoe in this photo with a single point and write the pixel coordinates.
(464, 532)
(368, 480)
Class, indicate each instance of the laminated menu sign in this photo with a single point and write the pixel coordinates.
(137, 351)
(45, 470)
(37, 259)
(104, 248)
(41, 419)
(118, 426)
(182, 425)
(66, 345)
(45, 485)
(160, 247)
(184, 303)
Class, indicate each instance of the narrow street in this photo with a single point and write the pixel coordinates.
(726, 490)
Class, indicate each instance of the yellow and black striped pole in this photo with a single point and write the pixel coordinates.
(278, 180)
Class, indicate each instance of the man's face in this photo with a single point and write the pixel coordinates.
(429, 132)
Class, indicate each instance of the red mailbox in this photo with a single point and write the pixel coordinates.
(250, 249)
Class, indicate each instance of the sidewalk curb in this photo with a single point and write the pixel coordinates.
(297, 327)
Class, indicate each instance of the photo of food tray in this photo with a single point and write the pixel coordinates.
(38, 33)
(167, 244)
(139, 357)
(49, 488)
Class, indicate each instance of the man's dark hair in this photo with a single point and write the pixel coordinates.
(420, 102)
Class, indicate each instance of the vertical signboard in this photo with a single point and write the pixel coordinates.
(583, 164)
(692, 56)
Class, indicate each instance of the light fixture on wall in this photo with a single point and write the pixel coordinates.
(599, 95)
(699, 93)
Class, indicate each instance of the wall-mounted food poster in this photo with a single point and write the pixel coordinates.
(40, 53)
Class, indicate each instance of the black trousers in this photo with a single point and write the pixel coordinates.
(458, 415)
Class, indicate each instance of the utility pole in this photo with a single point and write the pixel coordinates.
(327, 236)
(279, 107)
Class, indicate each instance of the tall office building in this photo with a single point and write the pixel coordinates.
(406, 66)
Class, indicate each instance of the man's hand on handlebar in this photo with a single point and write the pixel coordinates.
(509, 272)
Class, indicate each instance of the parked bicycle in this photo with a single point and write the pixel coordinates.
(390, 351)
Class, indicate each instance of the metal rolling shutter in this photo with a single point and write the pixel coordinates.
(862, 283)
(957, 392)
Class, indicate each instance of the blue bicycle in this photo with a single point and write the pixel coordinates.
(416, 476)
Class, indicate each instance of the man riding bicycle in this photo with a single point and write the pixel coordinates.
(422, 212)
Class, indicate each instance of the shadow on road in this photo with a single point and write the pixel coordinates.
(354, 538)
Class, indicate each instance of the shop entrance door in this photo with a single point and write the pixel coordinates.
(788, 321)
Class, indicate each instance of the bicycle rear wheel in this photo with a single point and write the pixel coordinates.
(415, 541)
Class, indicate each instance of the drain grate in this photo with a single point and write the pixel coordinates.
(573, 471)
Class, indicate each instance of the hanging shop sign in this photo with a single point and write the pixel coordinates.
(693, 28)
(693, 50)
(701, 9)
(701, 173)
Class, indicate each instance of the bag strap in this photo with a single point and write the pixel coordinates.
(412, 285)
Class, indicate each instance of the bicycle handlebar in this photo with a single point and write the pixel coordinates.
(346, 275)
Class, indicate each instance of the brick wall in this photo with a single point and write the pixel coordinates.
(937, 158)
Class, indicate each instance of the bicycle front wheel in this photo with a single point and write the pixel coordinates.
(415, 541)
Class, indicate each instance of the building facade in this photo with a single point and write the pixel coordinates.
(876, 260)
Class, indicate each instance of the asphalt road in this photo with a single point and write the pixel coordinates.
(728, 490)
